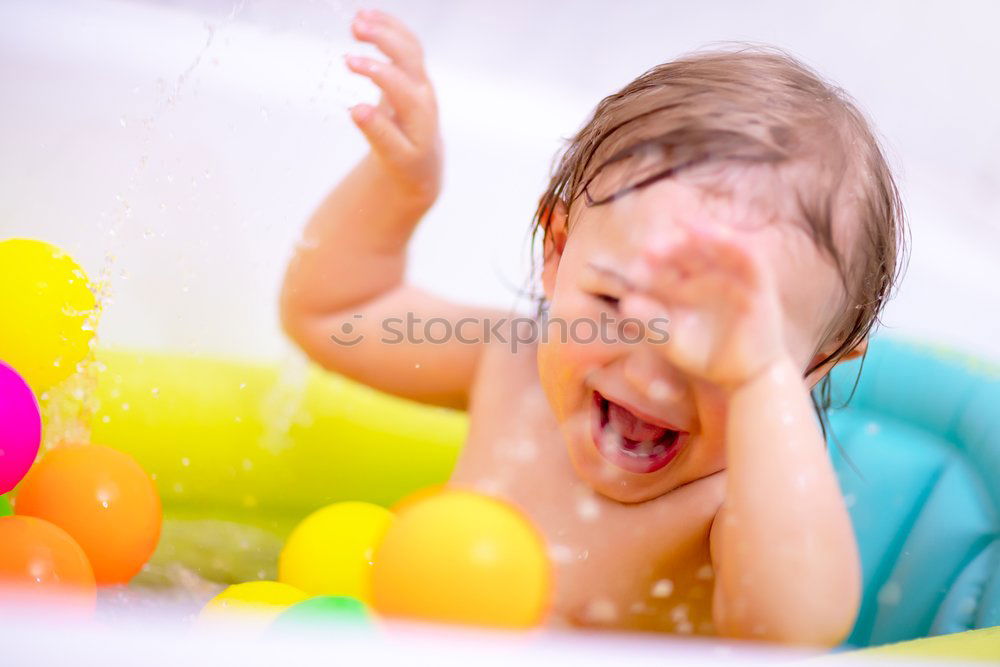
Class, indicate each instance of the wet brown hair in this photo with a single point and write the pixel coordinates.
(756, 105)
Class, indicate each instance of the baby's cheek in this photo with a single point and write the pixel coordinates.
(576, 341)
(563, 365)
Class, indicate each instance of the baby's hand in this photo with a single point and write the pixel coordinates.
(403, 129)
(723, 310)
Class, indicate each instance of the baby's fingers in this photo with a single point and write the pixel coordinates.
(402, 93)
(385, 138)
(686, 344)
(393, 39)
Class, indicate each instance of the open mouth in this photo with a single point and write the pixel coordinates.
(630, 442)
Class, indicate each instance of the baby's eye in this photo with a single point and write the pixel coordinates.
(608, 299)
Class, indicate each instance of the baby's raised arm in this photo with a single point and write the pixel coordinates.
(785, 559)
(346, 280)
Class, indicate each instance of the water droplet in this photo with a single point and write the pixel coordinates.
(588, 509)
(560, 553)
(106, 419)
(524, 451)
(890, 594)
(679, 614)
(662, 588)
(185, 461)
(659, 390)
(600, 611)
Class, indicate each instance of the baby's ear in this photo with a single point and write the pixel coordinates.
(555, 243)
(819, 373)
(857, 351)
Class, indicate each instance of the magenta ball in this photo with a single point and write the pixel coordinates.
(20, 428)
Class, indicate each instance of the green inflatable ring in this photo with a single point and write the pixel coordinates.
(256, 444)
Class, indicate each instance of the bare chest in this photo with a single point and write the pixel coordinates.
(638, 566)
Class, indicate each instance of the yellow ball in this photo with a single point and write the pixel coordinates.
(253, 604)
(330, 552)
(45, 302)
(461, 557)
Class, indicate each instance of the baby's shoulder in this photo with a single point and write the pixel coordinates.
(508, 367)
(508, 358)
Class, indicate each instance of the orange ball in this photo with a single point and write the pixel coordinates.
(39, 560)
(461, 557)
(104, 499)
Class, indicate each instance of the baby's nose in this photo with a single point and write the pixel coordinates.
(647, 372)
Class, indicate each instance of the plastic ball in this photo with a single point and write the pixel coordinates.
(20, 427)
(254, 604)
(330, 552)
(324, 611)
(5, 508)
(40, 561)
(104, 499)
(461, 557)
(46, 301)
(416, 496)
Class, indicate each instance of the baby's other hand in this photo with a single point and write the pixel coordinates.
(403, 129)
(724, 312)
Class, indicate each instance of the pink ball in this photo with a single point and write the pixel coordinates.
(20, 428)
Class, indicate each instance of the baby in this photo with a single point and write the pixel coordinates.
(720, 234)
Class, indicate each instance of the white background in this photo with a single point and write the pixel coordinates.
(178, 147)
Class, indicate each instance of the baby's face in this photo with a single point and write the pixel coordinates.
(636, 427)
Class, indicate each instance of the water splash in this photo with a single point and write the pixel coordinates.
(69, 408)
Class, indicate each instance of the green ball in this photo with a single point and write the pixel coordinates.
(5, 509)
(324, 611)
